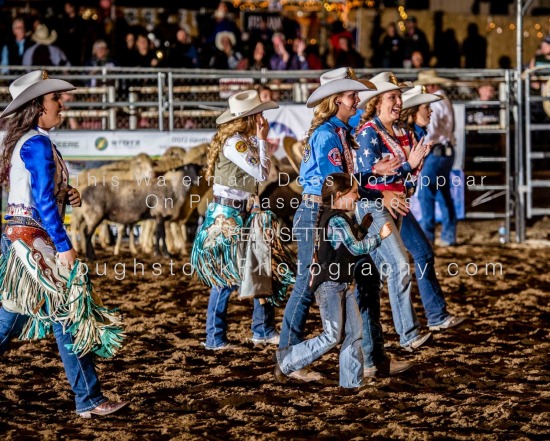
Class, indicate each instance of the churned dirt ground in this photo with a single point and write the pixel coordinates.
(487, 380)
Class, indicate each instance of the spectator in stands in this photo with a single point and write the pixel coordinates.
(448, 53)
(72, 35)
(474, 49)
(338, 31)
(484, 115)
(144, 56)
(542, 56)
(392, 46)
(313, 57)
(415, 40)
(224, 23)
(264, 92)
(100, 55)
(13, 50)
(258, 59)
(347, 55)
(283, 59)
(183, 53)
(44, 52)
(417, 60)
(261, 34)
(100, 58)
(126, 55)
(226, 57)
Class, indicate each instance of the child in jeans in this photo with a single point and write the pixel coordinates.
(339, 240)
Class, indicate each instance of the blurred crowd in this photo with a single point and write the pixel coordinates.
(65, 38)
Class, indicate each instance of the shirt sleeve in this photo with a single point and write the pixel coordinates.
(327, 152)
(339, 231)
(257, 166)
(37, 155)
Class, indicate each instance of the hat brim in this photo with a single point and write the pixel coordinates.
(45, 41)
(333, 87)
(365, 97)
(432, 80)
(288, 145)
(228, 116)
(423, 98)
(34, 91)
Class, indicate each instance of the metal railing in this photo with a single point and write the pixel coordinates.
(170, 100)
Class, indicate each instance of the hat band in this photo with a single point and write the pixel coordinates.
(239, 113)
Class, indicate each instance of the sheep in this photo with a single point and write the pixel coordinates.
(137, 168)
(131, 201)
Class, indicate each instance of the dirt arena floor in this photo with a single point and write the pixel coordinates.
(488, 380)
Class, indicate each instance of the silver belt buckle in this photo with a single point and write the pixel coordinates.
(448, 150)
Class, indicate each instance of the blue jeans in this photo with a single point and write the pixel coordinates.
(422, 253)
(299, 301)
(263, 318)
(367, 294)
(80, 371)
(341, 320)
(435, 166)
(393, 264)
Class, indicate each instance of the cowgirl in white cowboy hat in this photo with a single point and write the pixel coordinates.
(415, 116)
(439, 163)
(237, 160)
(379, 136)
(328, 148)
(42, 286)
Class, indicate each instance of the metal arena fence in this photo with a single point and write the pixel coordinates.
(515, 167)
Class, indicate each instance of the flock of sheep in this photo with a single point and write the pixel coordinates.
(163, 196)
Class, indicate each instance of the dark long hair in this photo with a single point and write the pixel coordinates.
(334, 183)
(20, 123)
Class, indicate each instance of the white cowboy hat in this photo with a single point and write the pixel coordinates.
(384, 82)
(244, 104)
(430, 77)
(43, 35)
(31, 86)
(227, 34)
(417, 96)
(337, 81)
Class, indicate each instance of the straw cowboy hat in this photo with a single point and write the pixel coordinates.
(545, 92)
(31, 86)
(294, 152)
(384, 82)
(244, 104)
(417, 96)
(430, 77)
(43, 35)
(227, 34)
(337, 81)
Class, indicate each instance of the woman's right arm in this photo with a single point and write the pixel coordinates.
(238, 152)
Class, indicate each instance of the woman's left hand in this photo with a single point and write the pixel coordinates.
(74, 197)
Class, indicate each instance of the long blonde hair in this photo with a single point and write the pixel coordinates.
(246, 127)
(325, 110)
(370, 110)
